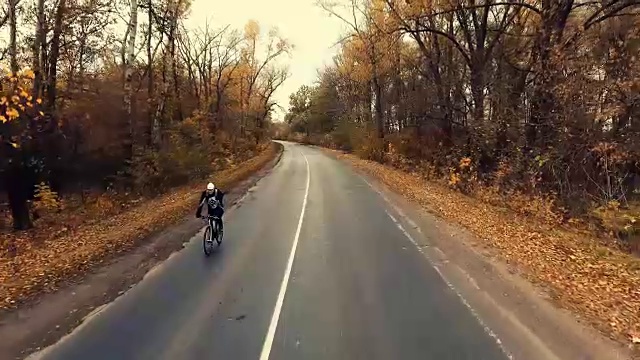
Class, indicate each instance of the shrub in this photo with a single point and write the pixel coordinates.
(464, 177)
(185, 155)
(46, 201)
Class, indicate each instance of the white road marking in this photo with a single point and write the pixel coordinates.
(469, 277)
(268, 341)
(464, 301)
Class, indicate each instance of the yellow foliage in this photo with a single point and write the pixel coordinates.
(45, 198)
(12, 113)
(454, 178)
(464, 177)
(16, 102)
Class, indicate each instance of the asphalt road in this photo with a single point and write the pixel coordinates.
(343, 283)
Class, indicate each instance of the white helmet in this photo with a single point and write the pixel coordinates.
(210, 187)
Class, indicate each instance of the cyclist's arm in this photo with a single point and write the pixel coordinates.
(221, 198)
(199, 210)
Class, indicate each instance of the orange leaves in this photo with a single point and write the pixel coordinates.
(610, 152)
(454, 178)
(11, 113)
(16, 103)
(464, 177)
(465, 163)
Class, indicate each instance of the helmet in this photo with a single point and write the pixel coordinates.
(210, 187)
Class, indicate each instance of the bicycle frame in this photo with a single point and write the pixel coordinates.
(210, 222)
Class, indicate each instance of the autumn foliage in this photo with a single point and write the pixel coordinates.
(91, 110)
(108, 133)
(520, 102)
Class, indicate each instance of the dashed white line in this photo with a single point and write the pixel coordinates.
(469, 277)
(268, 341)
(404, 231)
(486, 328)
(464, 301)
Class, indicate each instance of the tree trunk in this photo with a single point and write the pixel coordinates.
(156, 138)
(541, 129)
(174, 63)
(13, 30)
(150, 74)
(18, 193)
(128, 75)
(377, 88)
(38, 54)
(55, 53)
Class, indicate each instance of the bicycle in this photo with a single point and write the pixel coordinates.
(211, 232)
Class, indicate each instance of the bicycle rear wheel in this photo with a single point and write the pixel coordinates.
(218, 234)
(207, 242)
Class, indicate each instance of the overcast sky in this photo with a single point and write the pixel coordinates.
(307, 26)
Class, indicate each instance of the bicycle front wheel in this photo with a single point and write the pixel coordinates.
(207, 242)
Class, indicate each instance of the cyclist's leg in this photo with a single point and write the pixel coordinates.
(219, 221)
(210, 229)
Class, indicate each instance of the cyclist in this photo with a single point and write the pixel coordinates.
(210, 195)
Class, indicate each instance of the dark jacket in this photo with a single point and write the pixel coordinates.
(209, 199)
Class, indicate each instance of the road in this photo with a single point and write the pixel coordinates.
(342, 283)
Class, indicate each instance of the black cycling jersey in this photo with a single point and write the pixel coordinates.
(210, 199)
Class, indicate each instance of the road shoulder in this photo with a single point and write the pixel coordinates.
(43, 320)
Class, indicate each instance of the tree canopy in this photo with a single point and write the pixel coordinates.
(537, 96)
(87, 103)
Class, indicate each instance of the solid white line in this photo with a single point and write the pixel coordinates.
(268, 341)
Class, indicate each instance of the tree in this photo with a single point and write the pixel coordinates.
(78, 120)
(132, 31)
(538, 94)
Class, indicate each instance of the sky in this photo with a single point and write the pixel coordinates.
(311, 30)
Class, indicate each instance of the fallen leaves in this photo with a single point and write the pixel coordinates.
(601, 285)
(31, 267)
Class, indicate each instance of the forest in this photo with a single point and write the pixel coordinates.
(103, 102)
(528, 103)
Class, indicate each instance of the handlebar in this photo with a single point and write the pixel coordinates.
(209, 217)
